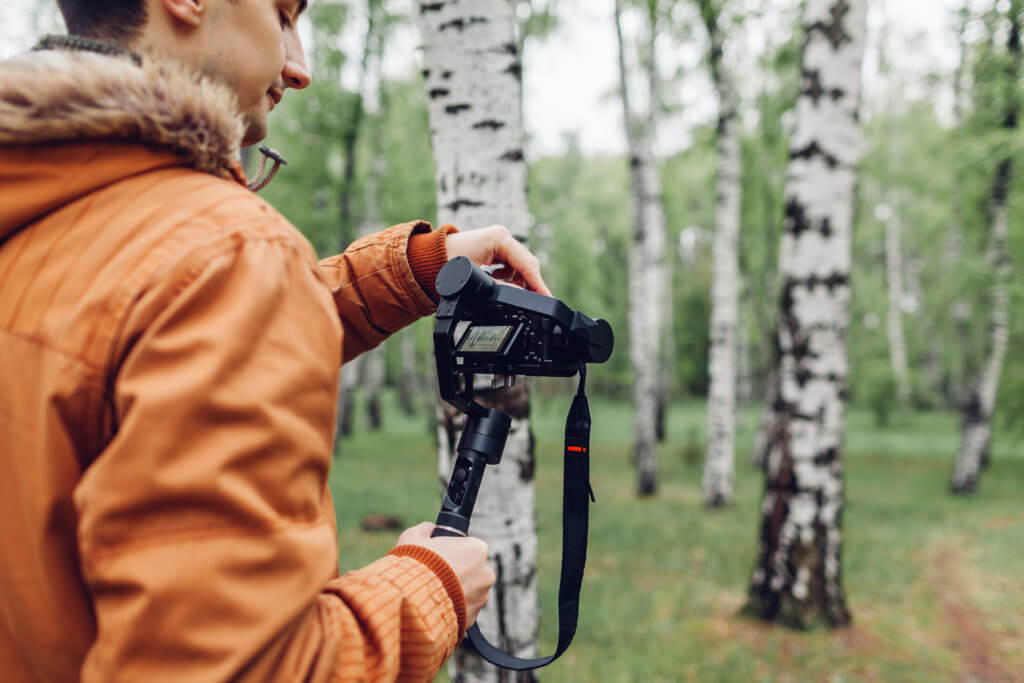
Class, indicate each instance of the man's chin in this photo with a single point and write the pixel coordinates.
(255, 131)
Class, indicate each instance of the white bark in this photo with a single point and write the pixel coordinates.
(646, 269)
(798, 575)
(372, 367)
(894, 318)
(719, 465)
(976, 431)
(976, 428)
(472, 69)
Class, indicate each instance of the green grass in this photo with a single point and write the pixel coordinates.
(933, 581)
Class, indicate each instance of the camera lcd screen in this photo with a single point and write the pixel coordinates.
(485, 338)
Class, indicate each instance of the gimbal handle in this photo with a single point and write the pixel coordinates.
(481, 444)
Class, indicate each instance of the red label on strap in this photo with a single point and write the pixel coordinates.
(576, 449)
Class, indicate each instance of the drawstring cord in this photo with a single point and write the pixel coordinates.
(268, 153)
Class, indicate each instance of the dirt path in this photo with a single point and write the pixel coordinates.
(976, 645)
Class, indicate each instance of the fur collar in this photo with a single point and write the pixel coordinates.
(57, 96)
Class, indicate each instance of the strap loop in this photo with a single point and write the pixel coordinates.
(576, 497)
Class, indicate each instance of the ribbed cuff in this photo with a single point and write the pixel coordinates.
(427, 254)
(444, 573)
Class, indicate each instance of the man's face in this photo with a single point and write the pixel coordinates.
(253, 46)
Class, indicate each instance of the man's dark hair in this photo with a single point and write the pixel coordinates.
(118, 21)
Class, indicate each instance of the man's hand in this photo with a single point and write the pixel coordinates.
(466, 556)
(495, 244)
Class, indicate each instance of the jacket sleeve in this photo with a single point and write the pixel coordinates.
(206, 534)
(379, 286)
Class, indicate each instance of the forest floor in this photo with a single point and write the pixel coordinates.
(933, 581)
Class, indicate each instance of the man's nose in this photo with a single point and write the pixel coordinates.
(295, 73)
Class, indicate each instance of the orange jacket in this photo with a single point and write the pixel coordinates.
(169, 350)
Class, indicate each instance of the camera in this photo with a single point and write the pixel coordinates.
(488, 328)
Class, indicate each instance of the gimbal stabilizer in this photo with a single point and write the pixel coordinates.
(487, 328)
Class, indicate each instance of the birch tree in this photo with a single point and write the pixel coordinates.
(890, 218)
(368, 370)
(373, 361)
(797, 578)
(472, 70)
(409, 386)
(646, 256)
(719, 467)
(976, 420)
(889, 214)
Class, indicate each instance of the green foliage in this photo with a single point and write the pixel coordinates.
(307, 129)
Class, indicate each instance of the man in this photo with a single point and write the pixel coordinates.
(168, 363)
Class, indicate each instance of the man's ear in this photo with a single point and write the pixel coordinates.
(189, 12)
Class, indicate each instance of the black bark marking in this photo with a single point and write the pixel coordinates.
(426, 74)
(431, 7)
(461, 23)
(456, 108)
(510, 48)
(446, 75)
(512, 155)
(833, 30)
(797, 222)
(460, 203)
(812, 150)
(814, 88)
(493, 124)
(434, 93)
(516, 69)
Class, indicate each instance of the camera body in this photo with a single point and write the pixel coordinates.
(488, 328)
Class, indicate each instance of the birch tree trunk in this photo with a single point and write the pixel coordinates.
(719, 464)
(668, 350)
(409, 385)
(797, 578)
(976, 423)
(351, 136)
(345, 407)
(373, 367)
(646, 266)
(472, 71)
(888, 213)
(350, 374)
(894, 317)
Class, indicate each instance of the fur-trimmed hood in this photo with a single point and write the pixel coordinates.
(55, 96)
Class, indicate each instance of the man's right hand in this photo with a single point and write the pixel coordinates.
(466, 556)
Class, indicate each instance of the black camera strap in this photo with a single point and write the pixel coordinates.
(577, 495)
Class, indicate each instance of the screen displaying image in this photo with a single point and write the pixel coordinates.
(485, 338)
